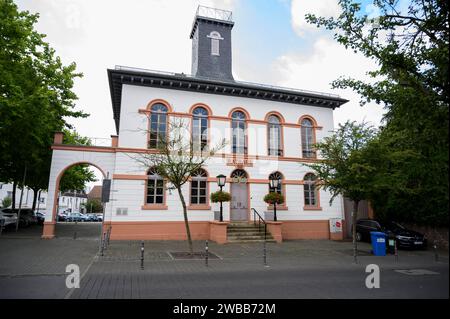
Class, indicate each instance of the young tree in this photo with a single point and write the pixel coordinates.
(93, 205)
(411, 47)
(178, 158)
(344, 169)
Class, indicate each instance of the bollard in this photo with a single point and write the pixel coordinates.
(142, 255)
(206, 254)
(395, 250)
(103, 243)
(265, 254)
(436, 256)
(109, 234)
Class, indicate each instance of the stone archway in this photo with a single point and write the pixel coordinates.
(50, 218)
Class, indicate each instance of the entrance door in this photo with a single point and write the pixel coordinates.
(239, 196)
(239, 202)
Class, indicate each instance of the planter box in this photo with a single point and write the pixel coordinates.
(216, 215)
(268, 216)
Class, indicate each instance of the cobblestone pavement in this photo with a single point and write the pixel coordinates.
(35, 268)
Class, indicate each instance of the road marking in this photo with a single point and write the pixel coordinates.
(417, 272)
(69, 294)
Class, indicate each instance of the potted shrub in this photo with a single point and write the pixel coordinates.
(219, 197)
(274, 199)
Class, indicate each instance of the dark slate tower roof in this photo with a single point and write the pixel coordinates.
(211, 43)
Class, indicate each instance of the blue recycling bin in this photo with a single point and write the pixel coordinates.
(378, 243)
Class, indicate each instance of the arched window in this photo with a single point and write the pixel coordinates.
(158, 125)
(199, 188)
(274, 136)
(279, 176)
(215, 37)
(239, 132)
(155, 188)
(200, 128)
(307, 138)
(310, 190)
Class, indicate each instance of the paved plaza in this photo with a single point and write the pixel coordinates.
(34, 268)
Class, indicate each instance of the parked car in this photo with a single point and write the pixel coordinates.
(62, 216)
(404, 237)
(8, 217)
(100, 217)
(26, 218)
(92, 218)
(40, 217)
(76, 217)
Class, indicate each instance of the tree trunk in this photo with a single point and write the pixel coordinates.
(186, 221)
(13, 199)
(35, 195)
(354, 219)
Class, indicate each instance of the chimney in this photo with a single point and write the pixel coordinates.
(211, 43)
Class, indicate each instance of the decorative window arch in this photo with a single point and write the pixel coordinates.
(155, 188)
(310, 190)
(199, 192)
(215, 38)
(274, 135)
(308, 136)
(239, 176)
(200, 128)
(158, 124)
(239, 132)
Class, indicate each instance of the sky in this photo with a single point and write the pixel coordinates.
(272, 44)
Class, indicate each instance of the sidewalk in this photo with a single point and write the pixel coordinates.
(35, 268)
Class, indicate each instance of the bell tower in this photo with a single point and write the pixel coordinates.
(211, 43)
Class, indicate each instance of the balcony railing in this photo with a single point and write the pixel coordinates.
(214, 13)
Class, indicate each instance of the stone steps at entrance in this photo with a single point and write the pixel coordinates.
(247, 232)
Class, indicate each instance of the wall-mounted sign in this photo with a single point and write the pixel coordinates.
(335, 225)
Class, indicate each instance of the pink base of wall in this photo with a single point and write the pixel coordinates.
(211, 230)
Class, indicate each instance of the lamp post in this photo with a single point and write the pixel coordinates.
(274, 182)
(221, 183)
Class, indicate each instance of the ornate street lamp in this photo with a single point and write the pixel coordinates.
(221, 179)
(274, 182)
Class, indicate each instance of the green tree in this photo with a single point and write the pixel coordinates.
(76, 177)
(410, 46)
(177, 160)
(93, 205)
(344, 168)
(6, 202)
(36, 98)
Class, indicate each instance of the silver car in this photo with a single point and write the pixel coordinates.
(7, 218)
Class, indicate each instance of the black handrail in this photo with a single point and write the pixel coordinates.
(260, 219)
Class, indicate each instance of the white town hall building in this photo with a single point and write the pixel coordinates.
(270, 131)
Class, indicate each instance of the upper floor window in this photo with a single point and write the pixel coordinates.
(307, 132)
(310, 190)
(239, 132)
(155, 188)
(200, 128)
(215, 38)
(158, 125)
(274, 136)
(199, 188)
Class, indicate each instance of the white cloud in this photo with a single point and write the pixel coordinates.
(315, 71)
(323, 8)
(100, 34)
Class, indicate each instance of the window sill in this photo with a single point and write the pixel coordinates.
(199, 207)
(278, 207)
(154, 207)
(312, 208)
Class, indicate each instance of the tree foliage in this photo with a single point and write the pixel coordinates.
(410, 45)
(93, 205)
(36, 98)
